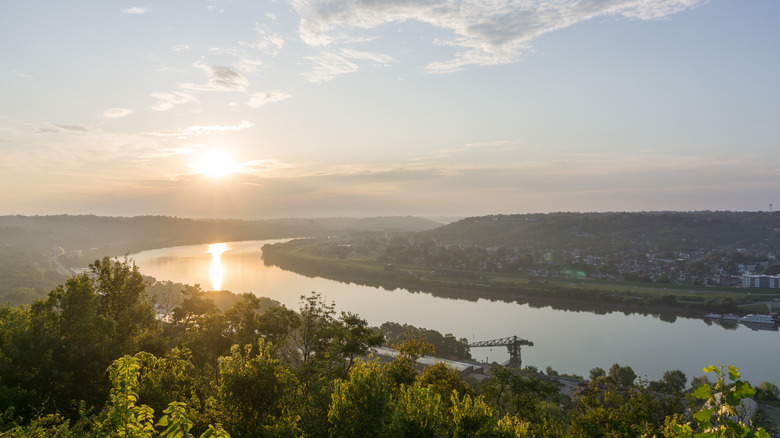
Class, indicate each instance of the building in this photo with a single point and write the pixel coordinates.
(761, 281)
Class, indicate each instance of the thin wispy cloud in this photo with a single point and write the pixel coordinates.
(491, 143)
(267, 167)
(486, 32)
(466, 148)
(259, 99)
(116, 113)
(169, 152)
(248, 65)
(331, 63)
(327, 66)
(169, 100)
(137, 10)
(198, 130)
(54, 128)
(270, 44)
(220, 79)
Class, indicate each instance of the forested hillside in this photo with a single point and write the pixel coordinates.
(605, 233)
(120, 235)
(35, 251)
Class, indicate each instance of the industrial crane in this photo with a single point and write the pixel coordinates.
(511, 343)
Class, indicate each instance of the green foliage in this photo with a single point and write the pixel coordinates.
(418, 413)
(516, 394)
(624, 375)
(512, 427)
(123, 417)
(471, 417)
(255, 392)
(768, 392)
(122, 292)
(597, 373)
(401, 370)
(720, 416)
(360, 405)
(605, 409)
(352, 338)
(47, 426)
(277, 326)
(243, 319)
(443, 380)
(175, 421)
(444, 345)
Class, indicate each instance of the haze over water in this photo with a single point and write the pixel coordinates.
(569, 341)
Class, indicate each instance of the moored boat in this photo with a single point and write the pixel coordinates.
(757, 318)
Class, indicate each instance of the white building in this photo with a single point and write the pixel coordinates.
(761, 281)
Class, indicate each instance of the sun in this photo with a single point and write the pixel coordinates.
(215, 164)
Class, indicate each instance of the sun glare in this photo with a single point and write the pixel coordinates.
(215, 164)
(216, 270)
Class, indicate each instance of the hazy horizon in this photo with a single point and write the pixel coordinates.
(449, 109)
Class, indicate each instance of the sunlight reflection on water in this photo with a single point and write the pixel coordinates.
(216, 270)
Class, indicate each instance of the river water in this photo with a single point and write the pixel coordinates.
(570, 341)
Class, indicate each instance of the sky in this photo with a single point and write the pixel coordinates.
(433, 108)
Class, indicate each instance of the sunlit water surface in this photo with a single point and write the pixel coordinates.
(569, 341)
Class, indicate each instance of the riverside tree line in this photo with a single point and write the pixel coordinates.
(93, 358)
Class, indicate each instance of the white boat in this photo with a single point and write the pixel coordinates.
(713, 316)
(757, 318)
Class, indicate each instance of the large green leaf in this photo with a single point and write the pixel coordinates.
(702, 392)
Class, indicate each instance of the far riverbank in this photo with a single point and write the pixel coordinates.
(667, 301)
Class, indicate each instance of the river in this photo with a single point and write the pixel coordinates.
(569, 341)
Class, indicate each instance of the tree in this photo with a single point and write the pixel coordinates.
(471, 417)
(767, 391)
(243, 320)
(597, 373)
(123, 417)
(208, 339)
(313, 334)
(352, 338)
(672, 382)
(418, 412)
(172, 378)
(164, 296)
(62, 352)
(444, 380)
(276, 326)
(623, 375)
(516, 394)
(122, 292)
(360, 405)
(604, 409)
(311, 356)
(257, 394)
(195, 303)
(401, 370)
